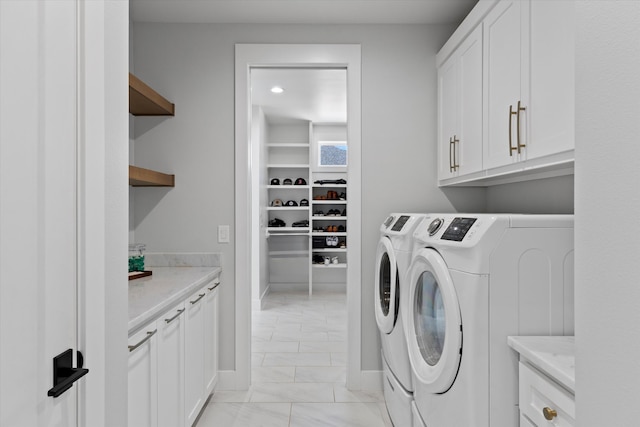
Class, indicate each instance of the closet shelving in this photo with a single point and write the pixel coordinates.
(325, 220)
(144, 101)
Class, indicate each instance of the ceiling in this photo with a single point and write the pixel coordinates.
(302, 11)
(315, 95)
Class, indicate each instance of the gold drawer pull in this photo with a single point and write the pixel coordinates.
(549, 413)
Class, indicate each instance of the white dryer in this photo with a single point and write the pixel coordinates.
(473, 281)
(393, 257)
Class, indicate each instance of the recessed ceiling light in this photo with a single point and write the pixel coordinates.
(277, 89)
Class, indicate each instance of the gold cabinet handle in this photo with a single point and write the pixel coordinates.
(518, 126)
(451, 147)
(549, 413)
(511, 114)
(455, 163)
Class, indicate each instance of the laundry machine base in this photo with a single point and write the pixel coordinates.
(397, 399)
(417, 419)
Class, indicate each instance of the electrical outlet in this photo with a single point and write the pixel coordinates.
(223, 234)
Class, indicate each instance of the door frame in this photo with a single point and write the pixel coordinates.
(248, 56)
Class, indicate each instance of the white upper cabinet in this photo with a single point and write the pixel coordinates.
(503, 66)
(551, 92)
(460, 109)
(526, 101)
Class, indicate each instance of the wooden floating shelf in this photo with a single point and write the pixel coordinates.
(144, 101)
(140, 177)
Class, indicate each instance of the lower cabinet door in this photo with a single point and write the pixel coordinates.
(211, 337)
(143, 398)
(194, 386)
(171, 333)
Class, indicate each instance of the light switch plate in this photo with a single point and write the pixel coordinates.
(223, 234)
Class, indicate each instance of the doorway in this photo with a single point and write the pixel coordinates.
(248, 58)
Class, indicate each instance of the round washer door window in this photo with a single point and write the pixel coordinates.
(429, 318)
(434, 324)
(386, 287)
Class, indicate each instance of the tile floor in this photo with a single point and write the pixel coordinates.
(298, 373)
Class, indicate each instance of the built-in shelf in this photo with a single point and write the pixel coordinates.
(341, 265)
(140, 177)
(329, 185)
(332, 250)
(288, 208)
(329, 202)
(329, 233)
(328, 218)
(288, 145)
(288, 166)
(288, 187)
(144, 101)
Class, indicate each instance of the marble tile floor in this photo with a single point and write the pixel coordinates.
(298, 374)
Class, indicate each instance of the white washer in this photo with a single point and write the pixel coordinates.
(392, 264)
(473, 281)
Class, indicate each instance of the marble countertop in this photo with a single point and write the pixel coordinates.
(150, 296)
(553, 355)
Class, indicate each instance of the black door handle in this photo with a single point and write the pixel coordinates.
(64, 375)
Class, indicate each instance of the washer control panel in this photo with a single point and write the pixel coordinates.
(400, 223)
(458, 228)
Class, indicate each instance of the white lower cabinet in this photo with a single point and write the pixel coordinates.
(171, 346)
(542, 401)
(173, 363)
(143, 390)
(194, 356)
(211, 337)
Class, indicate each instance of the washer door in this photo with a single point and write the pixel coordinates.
(387, 297)
(434, 324)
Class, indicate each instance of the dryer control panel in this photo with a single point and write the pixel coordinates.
(458, 228)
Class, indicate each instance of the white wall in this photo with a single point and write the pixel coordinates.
(607, 211)
(192, 65)
(543, 196)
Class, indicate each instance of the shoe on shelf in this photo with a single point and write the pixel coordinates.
(287, 182)
(342, 244)
(334, 260)
(343, 196)
(277, 222)
(341, 229)
(318, 213)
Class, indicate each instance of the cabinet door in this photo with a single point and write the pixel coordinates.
(142, 377)
(502, 45)
(194, 356)
(171, 367)
(551, 89)
(448, 111)
(468, 146)
(211, 337)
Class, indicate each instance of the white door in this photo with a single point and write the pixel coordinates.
(551, 88)
(171, 368)
(468, 138)
(502, 76)
(433, 322)
(211, 308)
(387, 287)
(448, 112)
(38, 238)
(194, 356)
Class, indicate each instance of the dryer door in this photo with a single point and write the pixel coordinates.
(434, 324)
(387, 297)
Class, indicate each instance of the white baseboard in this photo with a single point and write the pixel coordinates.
(371, 380)
(258, 303)
(227, 381)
